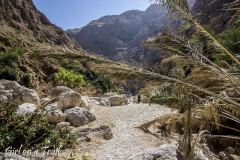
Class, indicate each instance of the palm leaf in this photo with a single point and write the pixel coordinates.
(181, 8)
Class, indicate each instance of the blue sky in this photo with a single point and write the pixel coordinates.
(76, 13)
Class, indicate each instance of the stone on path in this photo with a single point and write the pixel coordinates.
(79, 116)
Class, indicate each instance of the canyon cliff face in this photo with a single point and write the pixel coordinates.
(121, 37)
(213, 14)
(24, 16)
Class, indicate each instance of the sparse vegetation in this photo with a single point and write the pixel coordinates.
(30, 131)
(97, 80)
(9, 64)
(231, 39)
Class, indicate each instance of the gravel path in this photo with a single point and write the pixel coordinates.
(127, 140)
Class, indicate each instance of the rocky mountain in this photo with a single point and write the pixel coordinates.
(24, 16)
(120, 37)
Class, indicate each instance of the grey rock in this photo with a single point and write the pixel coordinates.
(11, 91)
(56, 116)
(69, 99)
(51, 107)
(105, 102)
(104, 131)
(94, 102)
(101, 132)
(26, 108)
(118, 100)
(163, 152)
(85, 102)
(79, 116)
(102, 101)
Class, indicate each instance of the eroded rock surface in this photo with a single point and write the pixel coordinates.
(11, 91)
(69, 99)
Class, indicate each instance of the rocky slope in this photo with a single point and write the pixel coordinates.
(24, 16)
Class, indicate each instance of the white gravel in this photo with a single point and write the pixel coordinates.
(127, 140)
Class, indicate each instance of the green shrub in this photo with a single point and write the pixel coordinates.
(99, 81)
(232, 39)
(9, 73)
(9, 64)
(11, 57)
(69, 78)
(30, 131)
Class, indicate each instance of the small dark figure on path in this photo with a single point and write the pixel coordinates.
(139, 98)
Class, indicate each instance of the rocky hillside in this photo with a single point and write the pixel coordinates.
(120, 37)
(24, 16)
(34, 52)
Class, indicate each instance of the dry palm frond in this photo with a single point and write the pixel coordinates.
(181, 8)
(172, 43)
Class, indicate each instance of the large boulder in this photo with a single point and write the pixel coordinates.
(118, 100)
(57, 91)
(56, 116)
(69, 99)
(11, 91)
(26, 108)
(166, 151)
(79, 116)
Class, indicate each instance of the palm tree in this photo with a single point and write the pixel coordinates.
(172, 43)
